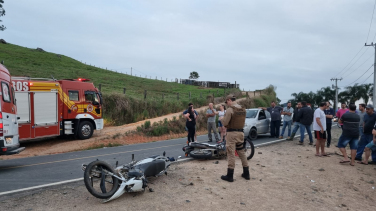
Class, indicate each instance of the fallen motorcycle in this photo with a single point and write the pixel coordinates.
(105, 182)
(218, 150)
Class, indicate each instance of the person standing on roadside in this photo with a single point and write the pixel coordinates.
(275, 123)
(370, 147)
(305, 117)
(362, 109)
(191, 124)
(234, 120)
(319, 127)
(211, 114)
(221, 128)
(185, 112)
(350, 134)
(367, 137)
(287, 120)
(341, 111)
(329, 114)
(295, 121)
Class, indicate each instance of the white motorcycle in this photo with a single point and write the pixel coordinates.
(104, 182)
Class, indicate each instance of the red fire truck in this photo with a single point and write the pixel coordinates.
(50, 107)
(9, 143)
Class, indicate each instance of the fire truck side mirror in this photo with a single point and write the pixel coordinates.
(95, 103)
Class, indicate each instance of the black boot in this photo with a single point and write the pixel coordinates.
(230, 175)
(291, 137)
(245, 174)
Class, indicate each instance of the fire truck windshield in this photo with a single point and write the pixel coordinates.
(91, 96)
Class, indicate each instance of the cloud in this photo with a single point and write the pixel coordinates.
(294, 45)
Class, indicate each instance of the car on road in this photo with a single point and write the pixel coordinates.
(257, 122)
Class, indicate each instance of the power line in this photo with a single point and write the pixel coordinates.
(361, 75)
(355, 62)
(371, 20)
(367, 78)
(359, 66)
(351, 60)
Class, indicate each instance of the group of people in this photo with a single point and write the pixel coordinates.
(230, 121)
(358, 128)
(211, 113)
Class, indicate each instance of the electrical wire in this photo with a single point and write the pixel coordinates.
(351, 60)
(371, 20)
(367, 78)
(360, 76)
(359, 66)
(356, 62)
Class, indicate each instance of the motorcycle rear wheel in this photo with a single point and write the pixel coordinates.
(201, 154)
(250, 149)
(99, 183)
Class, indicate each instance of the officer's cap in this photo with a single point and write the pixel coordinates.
(232, 97)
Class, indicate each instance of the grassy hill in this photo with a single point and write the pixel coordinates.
(118, 108)
(22, 61)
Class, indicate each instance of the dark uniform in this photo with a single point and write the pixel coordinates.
(234, 120)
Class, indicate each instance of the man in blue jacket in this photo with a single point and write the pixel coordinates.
(305, 117)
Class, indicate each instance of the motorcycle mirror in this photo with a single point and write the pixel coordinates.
(132, 157)
(117, 162)
(179, 157)
(164, 153)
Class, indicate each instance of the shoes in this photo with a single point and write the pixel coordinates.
(210, 141)
(230, 175)
(300, 143)
(328, 146)
(281, 137)
(291, 137)
(288, 137)
(245, 174)
(310, 143)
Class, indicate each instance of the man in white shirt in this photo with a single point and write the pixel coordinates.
(319, 126)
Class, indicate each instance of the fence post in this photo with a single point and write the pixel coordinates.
(145, 95)
(177, 95)
(100, 87)
(124, 89)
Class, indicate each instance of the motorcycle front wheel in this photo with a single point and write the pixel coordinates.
(250, 149)
(201, 154)
(97, 180)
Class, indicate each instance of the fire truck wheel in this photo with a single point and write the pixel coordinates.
(85, 130)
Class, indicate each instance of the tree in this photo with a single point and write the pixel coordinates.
(367, 89)
(193, 75)
(2, 13)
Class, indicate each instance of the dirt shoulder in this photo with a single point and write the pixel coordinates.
(286, 176)
(112, 134)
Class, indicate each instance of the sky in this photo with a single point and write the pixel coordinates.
(293, 45)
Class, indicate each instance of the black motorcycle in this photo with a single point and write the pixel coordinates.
(218, 150)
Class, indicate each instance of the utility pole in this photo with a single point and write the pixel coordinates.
(374, 76)
(336, 87)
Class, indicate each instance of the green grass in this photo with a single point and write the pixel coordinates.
(21, 61)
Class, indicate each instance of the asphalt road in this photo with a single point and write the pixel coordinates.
(42, 170)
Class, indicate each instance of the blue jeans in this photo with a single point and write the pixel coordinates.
(302, 130)
(360, 131)
(286, 123)
(296, 127)
(364, 140)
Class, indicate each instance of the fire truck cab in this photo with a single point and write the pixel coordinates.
(50, 107)
(9, 139)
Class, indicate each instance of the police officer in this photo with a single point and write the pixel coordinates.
(234, 120)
